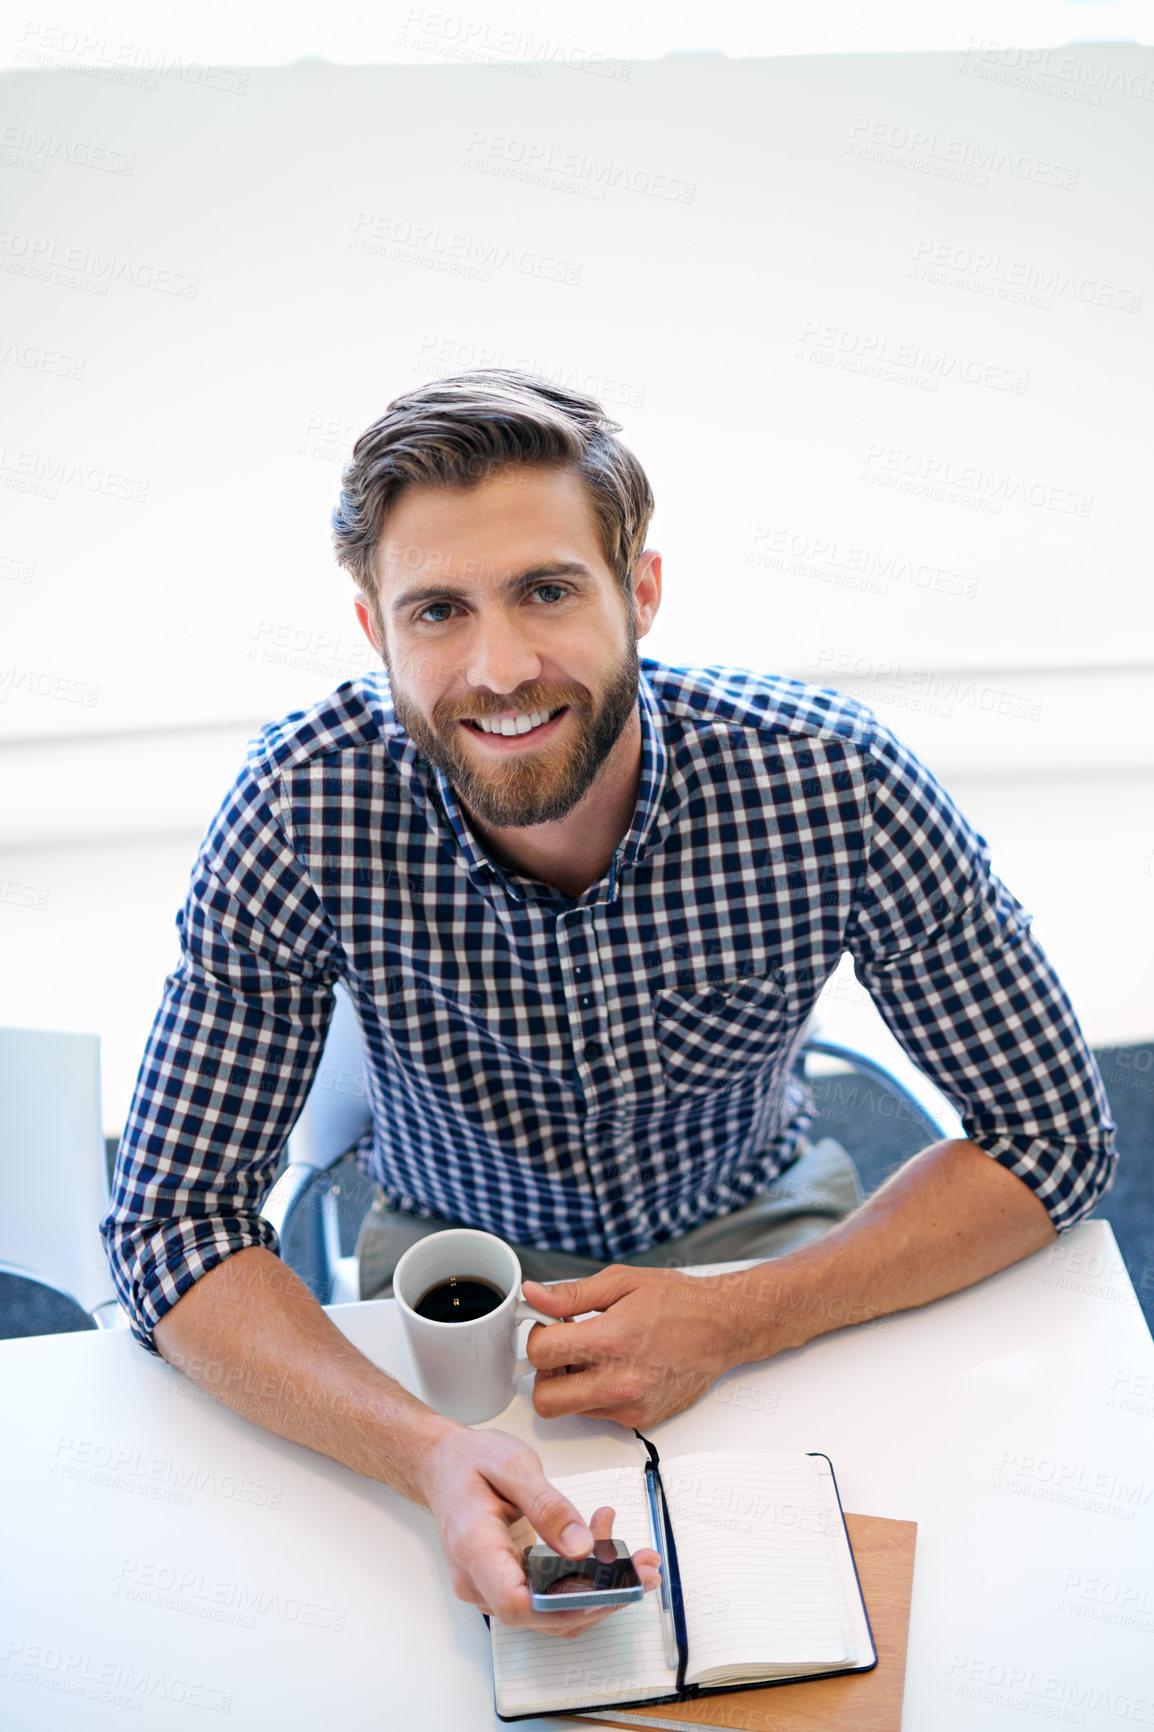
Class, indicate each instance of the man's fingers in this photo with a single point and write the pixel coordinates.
(568, 1624)
(648, 1566)
(556, 1345)
(502, 1501)
(491, 1563)
(593, 1293)
(580, 1392)
(465, 1588)
(488, 1573)
(558, 1522)
(492, 1579)
(601, 1523)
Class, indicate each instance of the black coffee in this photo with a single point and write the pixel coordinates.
(459, 1300)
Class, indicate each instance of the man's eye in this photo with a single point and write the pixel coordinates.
(558, 587)
(430, 608)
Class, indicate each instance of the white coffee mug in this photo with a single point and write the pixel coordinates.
(465, 1370)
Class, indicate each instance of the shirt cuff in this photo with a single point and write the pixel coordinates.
(154, 1267)
(1069, 1177)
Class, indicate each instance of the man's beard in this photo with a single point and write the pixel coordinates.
(543, 784)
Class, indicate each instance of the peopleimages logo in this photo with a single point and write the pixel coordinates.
(1049, 71)
(437, 31)
(49, 260)
(569, 171)
(1007, 1684)
(455, 252)
(155, 1476)
(218, 1599)
(437, 356)
(1129, 1605)
(44, 474)
(43, 683)
(33, 359)
(887, 681)
(117, 1683)
(13, 890)
(25, 148)
(937, 476)
(1096, 1491)
(851, 565)
(1021, 281)
(928, 152)
(876, 355)
(119, 62)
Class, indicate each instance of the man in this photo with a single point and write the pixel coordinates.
(583, 907)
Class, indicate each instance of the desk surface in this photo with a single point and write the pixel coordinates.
(165, 1558)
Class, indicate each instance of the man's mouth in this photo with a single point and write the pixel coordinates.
(512, 724)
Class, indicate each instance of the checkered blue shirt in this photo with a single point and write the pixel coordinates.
(598, 1073)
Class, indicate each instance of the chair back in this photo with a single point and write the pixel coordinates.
(53, 1177)
(336, 1113)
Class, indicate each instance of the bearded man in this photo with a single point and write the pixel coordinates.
(583, 904)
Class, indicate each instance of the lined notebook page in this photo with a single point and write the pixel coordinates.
(860, 1638)
(758, 1543)
(622, 1657)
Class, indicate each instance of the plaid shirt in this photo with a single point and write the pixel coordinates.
(597, 1073)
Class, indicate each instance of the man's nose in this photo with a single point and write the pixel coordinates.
(499, 659)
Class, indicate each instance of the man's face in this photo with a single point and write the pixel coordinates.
(497, 603)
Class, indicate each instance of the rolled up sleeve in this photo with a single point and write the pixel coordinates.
(949, 958)
(230, 1059)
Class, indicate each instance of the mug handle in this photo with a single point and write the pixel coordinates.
(525, 1313)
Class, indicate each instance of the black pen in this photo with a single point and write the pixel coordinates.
(667, 1624)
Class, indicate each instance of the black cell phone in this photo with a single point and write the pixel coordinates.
(605, 1578)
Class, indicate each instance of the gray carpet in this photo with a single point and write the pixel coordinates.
(879, 1134)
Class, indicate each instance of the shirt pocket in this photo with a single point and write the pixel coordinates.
(719, 1033)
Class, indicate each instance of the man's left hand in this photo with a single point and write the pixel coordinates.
(659, 1342)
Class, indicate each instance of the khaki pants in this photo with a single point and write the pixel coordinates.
(821, 1187)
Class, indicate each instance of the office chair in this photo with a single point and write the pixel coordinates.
(53, 1177)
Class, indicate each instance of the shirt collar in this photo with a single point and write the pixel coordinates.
(434, 790)
(654, 776)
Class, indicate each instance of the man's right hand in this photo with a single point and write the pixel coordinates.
(478, 1485)
(251, 1333)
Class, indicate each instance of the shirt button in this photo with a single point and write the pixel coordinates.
(715, 1001)
(585, 1000)
(592, 1051)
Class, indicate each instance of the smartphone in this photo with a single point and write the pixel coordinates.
(605, 1578)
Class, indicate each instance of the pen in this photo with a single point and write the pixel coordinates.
(667, 1625)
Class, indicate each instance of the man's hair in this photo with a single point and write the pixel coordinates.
(457, 432)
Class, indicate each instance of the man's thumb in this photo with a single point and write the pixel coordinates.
(557, 1521)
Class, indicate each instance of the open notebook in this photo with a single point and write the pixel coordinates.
(762, 1579)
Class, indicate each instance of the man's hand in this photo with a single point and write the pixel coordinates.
(949, 1217)
(662, 1338)
(478, 1486)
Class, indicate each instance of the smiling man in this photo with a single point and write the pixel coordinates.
(530, 766)
(583, 903)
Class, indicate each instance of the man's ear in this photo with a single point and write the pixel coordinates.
(646, 589)
(367, 626)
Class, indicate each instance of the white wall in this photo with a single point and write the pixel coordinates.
(1000, 453)
(878, 326)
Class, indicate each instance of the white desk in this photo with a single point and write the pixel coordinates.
(158, 1549)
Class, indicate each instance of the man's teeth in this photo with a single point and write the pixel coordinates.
(522, 725)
